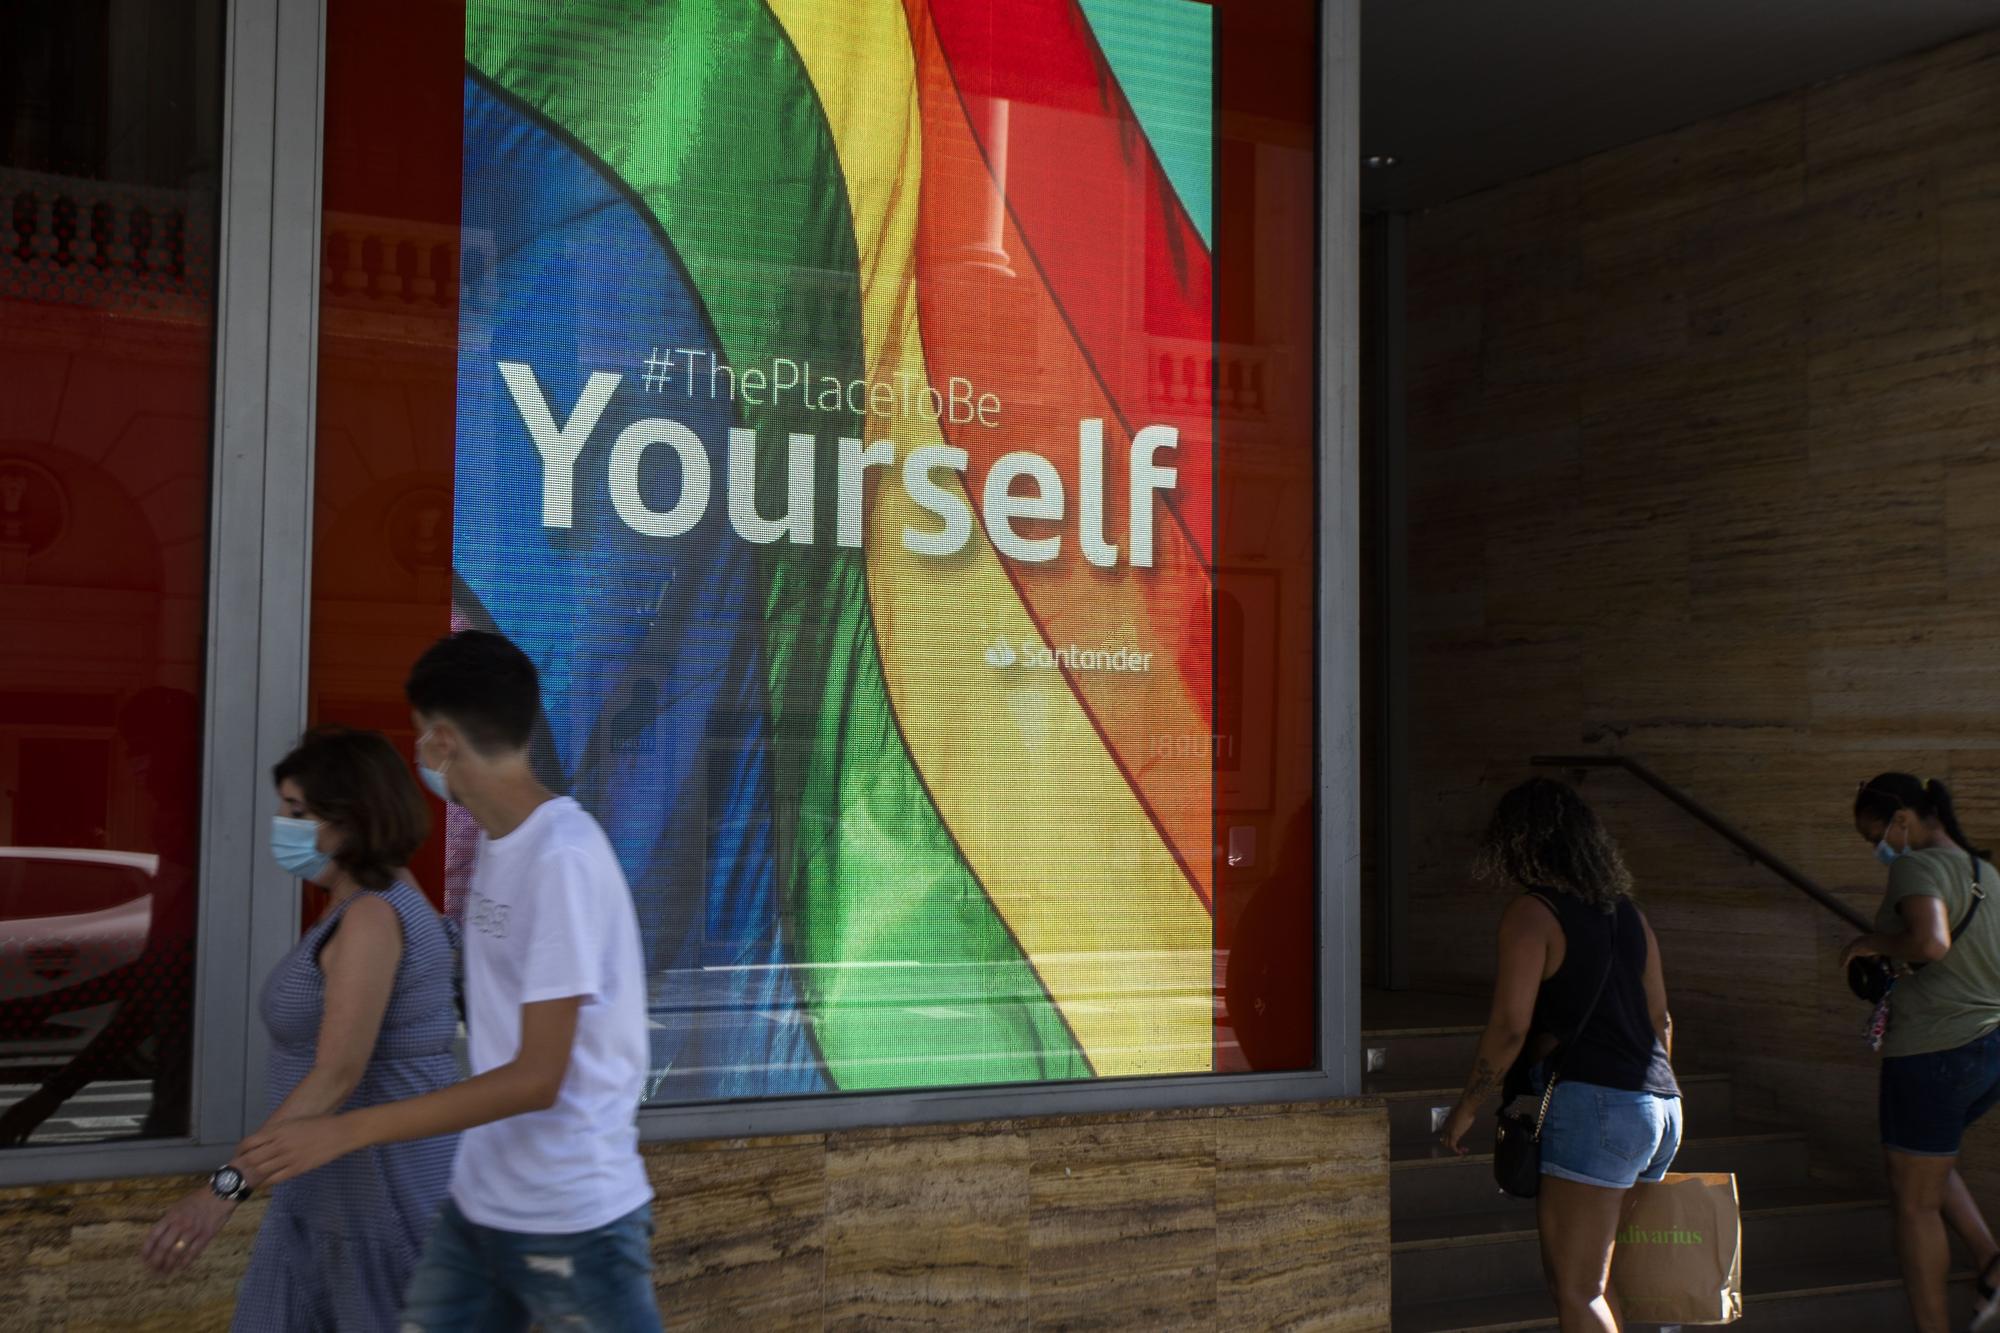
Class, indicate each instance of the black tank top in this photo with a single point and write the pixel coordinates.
(1618, 1047)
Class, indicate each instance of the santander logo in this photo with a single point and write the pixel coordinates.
(1002, 655)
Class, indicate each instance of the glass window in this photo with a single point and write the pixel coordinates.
(889, 426)
(388, 365)
(109, 124)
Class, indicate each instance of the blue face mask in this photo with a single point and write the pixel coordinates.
(295, 846)
(1888, 855)
(433, 777)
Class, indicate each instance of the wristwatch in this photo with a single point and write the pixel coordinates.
(228, 1183)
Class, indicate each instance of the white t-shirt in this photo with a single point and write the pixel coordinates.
(548, 917)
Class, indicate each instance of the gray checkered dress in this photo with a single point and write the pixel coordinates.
(338, 1244)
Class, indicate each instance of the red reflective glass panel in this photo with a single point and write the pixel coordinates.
(109, 151)
(388, 360)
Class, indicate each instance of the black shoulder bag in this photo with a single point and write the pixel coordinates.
(1517, 1140)
(1872, 979)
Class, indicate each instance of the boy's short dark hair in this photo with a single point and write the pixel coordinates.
(357, 782)
(483, 685)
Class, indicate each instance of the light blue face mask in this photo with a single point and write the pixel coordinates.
(433, 777)
(1888, 855)
(295, 846)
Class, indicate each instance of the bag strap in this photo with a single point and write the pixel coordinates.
(1978, 897)
(1590, 1012)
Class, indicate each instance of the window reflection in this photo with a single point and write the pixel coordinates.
(108, 149)
(390, 269)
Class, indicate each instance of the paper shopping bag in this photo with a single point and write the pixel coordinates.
(1679, 1258)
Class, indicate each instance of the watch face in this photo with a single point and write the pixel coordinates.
(228, 1180)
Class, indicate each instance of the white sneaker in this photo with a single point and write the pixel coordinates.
(1986, 1305)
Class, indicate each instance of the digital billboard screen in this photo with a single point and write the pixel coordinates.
(838, 428)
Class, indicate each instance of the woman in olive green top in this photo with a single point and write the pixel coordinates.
(1941, 1046)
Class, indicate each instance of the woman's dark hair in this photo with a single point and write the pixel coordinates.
(1884, 794)
(483, 685)
(357, 782)
(1544, 836)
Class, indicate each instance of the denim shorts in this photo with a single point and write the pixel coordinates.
(1927, 1101)
(478, 1278)
(1608, 1137)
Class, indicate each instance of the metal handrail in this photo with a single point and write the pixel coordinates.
(1743, 842)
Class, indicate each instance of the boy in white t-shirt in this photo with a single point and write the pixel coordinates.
(549, 1219)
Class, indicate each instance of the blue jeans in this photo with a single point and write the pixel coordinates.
(1609, 1137)
(1927, 1101)
(474, 1279)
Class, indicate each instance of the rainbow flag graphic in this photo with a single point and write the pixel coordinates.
(819, 435)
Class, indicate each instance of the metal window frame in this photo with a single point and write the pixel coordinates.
(260, 514)
(260, 601)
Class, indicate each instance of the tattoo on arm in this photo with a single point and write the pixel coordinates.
(1485, 1080)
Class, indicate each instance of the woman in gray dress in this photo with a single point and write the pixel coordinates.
(361, 1011)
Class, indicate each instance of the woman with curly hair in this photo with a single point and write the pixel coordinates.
(1580, 998)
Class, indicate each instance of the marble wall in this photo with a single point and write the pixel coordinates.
(1704, 460)
(1237, 1217)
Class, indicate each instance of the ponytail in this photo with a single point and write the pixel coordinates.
(1883, 795)
(1938, 797)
